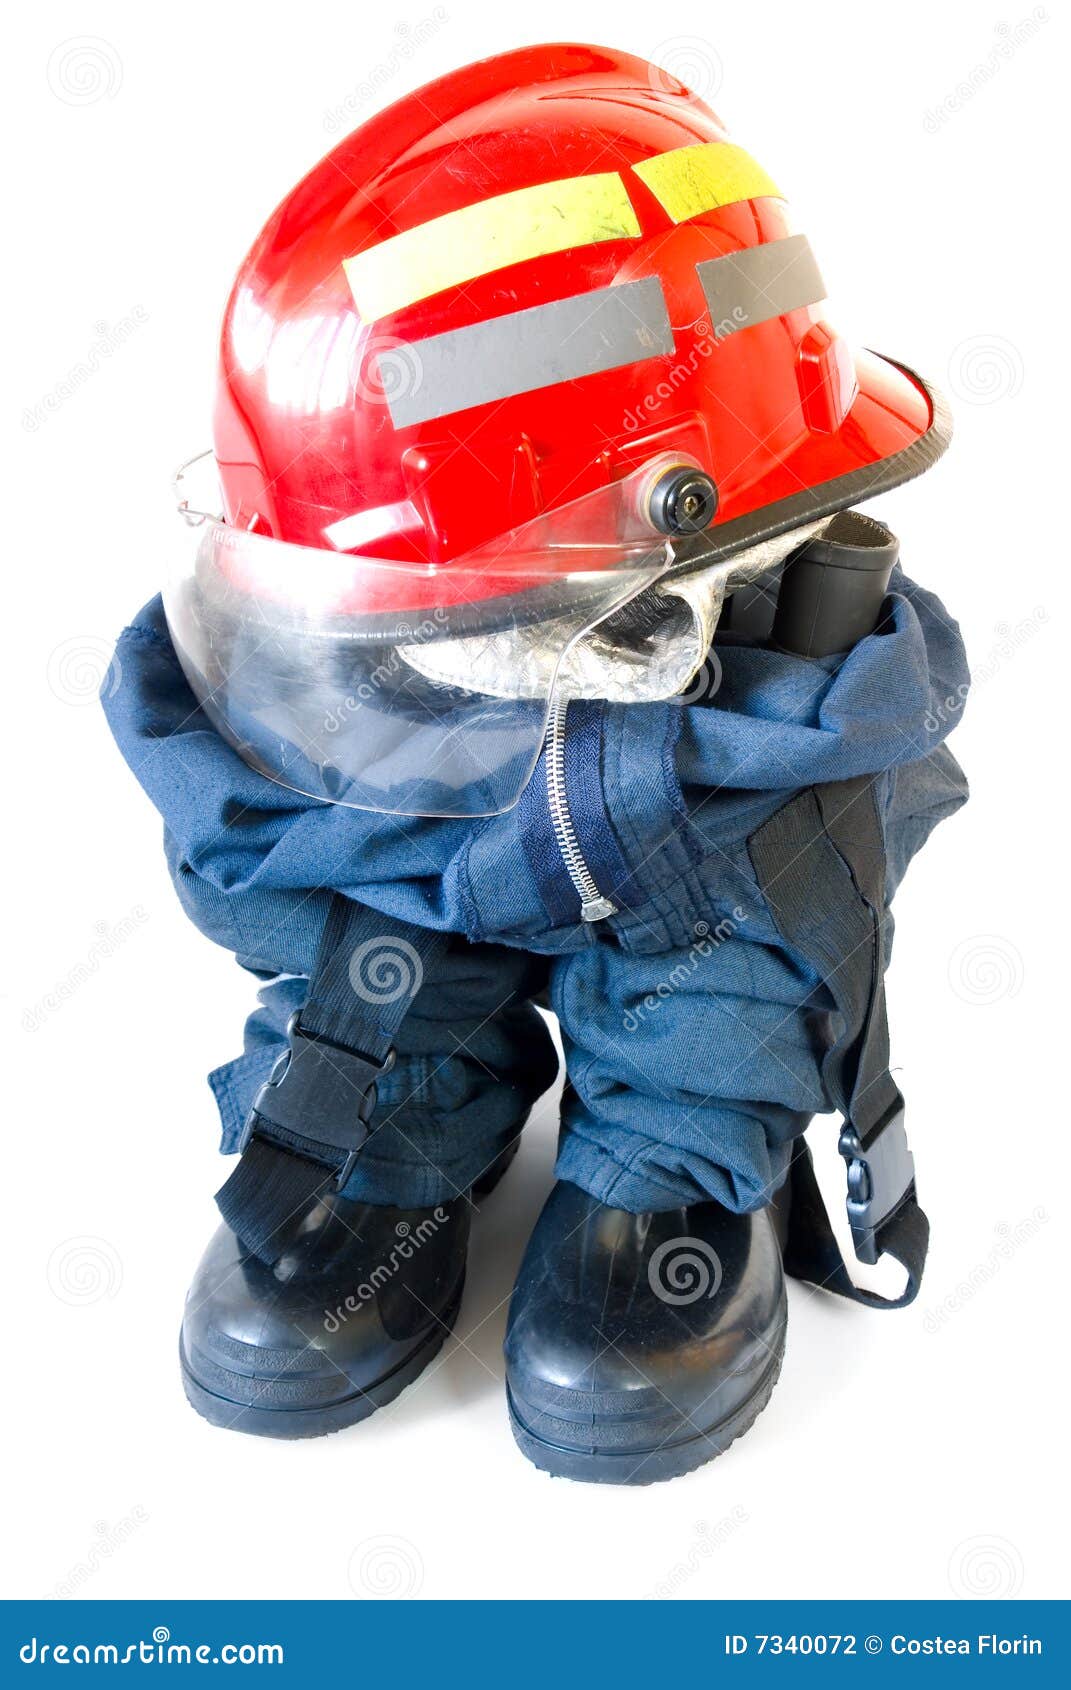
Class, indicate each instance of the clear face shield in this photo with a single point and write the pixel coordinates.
(309, 664)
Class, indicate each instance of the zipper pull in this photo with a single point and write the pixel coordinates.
(597, 909)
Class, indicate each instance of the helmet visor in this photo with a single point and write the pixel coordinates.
(315, 667)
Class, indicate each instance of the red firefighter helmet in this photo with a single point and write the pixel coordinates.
(515, 328)
(422, 325)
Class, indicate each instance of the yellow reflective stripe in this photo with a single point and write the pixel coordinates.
(458, 247)
(691, 180)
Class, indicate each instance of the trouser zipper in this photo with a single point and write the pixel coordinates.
(593, 906)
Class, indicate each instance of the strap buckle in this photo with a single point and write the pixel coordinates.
(321, 1095)
(881, 1179)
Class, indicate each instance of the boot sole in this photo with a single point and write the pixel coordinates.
(593, 1465)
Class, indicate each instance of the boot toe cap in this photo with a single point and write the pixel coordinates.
(325, 1336)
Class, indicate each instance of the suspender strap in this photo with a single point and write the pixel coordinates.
(820, 863)
(311, 1118)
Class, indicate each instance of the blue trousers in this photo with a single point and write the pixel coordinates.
(693, 1034)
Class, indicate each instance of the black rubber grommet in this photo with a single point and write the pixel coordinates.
(683, 501)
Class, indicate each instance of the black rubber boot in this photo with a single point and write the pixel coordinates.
(361, 1300)
(640, 1346)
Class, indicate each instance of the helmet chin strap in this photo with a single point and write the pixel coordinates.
(649, 650)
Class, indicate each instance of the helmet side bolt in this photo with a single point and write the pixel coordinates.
(682, 501)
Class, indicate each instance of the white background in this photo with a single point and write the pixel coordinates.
(908, 1454)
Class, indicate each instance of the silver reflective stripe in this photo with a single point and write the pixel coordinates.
(540, 347)
(760, 282)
